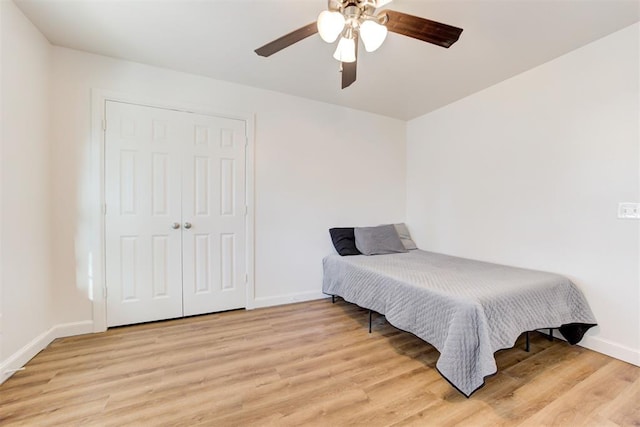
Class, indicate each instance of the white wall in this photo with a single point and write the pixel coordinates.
(25, 177)
(316, 166)
(530, 171)
(1, 192)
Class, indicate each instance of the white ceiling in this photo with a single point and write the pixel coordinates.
(405, 78)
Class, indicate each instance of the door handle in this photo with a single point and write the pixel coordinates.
(187, 225)
(175, 225)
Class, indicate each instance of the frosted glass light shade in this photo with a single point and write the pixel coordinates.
(346, 50)
(330, 25)
(372, 34)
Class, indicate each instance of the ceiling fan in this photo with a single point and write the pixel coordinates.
(361, 19)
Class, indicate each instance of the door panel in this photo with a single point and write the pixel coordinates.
(143, 200)
(214, 203)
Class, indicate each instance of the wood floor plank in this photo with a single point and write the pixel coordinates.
(624, 409)
(582, 405)
(311, 363)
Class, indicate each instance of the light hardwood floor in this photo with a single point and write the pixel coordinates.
(305, 364)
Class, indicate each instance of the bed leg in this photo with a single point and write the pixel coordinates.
(369, 321)
(550, 334)
(526, 346)
(333, 299)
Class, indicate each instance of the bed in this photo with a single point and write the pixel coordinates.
(466, 309)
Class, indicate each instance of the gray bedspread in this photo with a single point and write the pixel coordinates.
(466, 309)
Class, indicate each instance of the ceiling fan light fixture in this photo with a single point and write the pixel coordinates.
(356, 19)
(372, 34)
(346, 50)
(330, 25)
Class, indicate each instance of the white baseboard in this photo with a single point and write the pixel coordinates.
(17, 360)
(285, 299)
(20, 358)
(71, 329)
(605, 347)
(612, 349)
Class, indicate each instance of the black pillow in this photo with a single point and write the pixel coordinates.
(344, 241)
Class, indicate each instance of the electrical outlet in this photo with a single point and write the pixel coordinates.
(629, 210)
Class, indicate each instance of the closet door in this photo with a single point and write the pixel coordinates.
(213, 212)
(143, 213)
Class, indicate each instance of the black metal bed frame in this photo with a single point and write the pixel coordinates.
(527, 345)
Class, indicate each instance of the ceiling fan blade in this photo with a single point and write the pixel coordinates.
(287, 40)
(349, 70)
(422, 29)
(349, 73)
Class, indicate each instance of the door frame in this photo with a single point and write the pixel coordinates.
(96, 250)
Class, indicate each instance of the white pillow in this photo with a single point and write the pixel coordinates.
(405, 237)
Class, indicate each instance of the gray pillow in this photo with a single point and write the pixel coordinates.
(405, 237)
(379, 240)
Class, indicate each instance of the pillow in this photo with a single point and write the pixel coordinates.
(379, 240)
(405, 237)
(344, 241)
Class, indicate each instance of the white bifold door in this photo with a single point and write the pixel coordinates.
(175, 213)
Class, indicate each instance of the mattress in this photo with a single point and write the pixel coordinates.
(466, 309)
